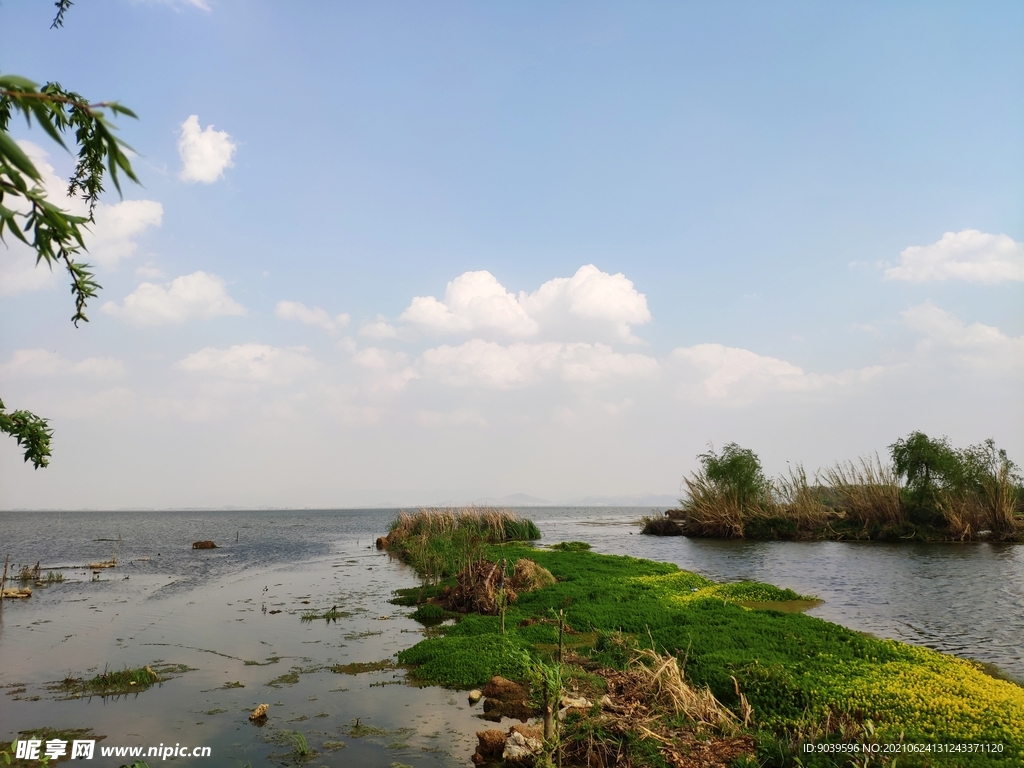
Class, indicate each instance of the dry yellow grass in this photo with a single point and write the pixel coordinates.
(867, 491)
(712, 511)
(666, 686)
(798, 500)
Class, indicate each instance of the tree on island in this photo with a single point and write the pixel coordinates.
(55, 235)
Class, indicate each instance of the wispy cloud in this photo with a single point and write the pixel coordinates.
(259, 363)
(26, 363)
(294, 310)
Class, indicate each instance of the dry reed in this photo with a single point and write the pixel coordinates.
(712, 511)
(999, 499)
(867, 491)
(663, 680)
(798, 500)
(494, 525)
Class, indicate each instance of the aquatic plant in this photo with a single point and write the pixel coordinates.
(333, 614)
(299, 743)
(792, 670)
(359, 667)
(571, 546)
(429, 613)
(117, 683)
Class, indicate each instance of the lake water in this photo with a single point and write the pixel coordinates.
(232, 615)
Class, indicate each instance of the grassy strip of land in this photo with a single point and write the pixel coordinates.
(928, 491)
(804, 678)
(444, 542)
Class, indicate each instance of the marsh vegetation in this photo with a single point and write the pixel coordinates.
(671, 662)
(927, 491)
(440, 543)
(119, 682)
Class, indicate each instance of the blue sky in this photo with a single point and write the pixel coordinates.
(795, 225)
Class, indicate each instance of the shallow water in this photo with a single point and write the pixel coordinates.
(212, 610)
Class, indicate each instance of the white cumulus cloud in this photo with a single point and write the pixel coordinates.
(205, 153)
(590, 296)
(258, 363)
(41, 363)
(591, 303)
(294, 310)
(473, 301)
(491, 365)
(110, 238)
(199, 295)
(969, 255)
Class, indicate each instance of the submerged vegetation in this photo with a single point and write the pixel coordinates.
(118, 683)
(668, 662)
(928, 491)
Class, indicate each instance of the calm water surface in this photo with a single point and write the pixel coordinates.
(233, 616)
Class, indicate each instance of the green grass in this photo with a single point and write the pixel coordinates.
(795, 669)
(330, 615)
(571, 546)
(119, 683)
(359, 667)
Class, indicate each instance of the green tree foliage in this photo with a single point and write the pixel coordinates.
(736, 471)
(56, 236)
(937, 475)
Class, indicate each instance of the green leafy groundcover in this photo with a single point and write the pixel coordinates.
(794, 669)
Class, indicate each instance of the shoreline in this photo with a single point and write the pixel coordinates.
(676, 522)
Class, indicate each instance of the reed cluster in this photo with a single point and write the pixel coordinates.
(440, 543)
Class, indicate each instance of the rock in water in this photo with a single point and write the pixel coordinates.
(490, 744)
(259, 713)
(474, 696)
(504, 689)
(204, 545)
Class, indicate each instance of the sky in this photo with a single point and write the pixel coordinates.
(436, 253)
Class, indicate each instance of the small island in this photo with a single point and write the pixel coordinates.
(928, 492)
